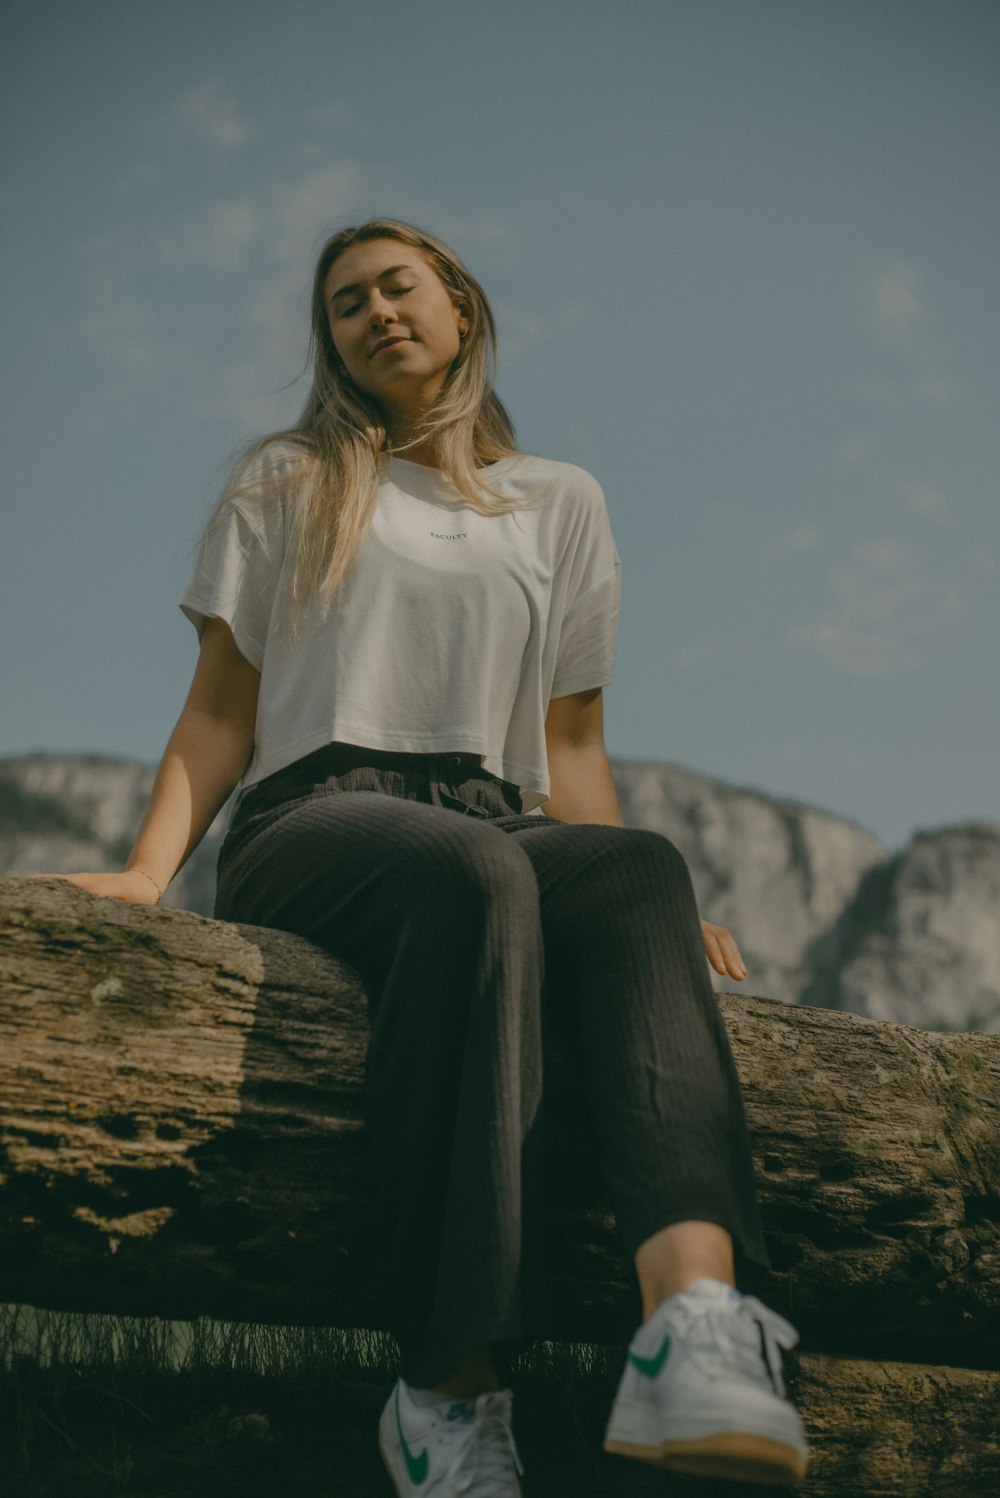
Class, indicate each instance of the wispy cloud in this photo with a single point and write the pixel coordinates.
(220, 237)
(853, 448)
(211, 114)
(263, 244)
(902, 405)
(801, 538)
(888, 610)
(895, 298)
(128, 328)
(895, 307)
(335, 115)
(926, 502)
(137, 177)
(154, 288)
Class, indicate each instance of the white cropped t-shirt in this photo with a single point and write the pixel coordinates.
(452, 631)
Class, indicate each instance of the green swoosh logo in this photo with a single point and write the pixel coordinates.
(415, 1465)
(651, 1366)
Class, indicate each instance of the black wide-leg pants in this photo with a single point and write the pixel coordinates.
(467, 943)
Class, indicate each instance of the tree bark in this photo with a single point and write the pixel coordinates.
(884, 1430)
(181, 1134)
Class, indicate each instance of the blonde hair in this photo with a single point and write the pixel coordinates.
(340, 444)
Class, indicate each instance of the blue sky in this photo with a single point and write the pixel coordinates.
(743, 255)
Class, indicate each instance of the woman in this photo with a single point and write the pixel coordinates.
(405, 626)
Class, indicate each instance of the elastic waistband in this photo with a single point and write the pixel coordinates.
(442, 774)
(334, 759)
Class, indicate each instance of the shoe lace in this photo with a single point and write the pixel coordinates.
(776, 1333)
(489, 1457)
(711, 1329)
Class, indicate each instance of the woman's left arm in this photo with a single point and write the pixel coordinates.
(582, 790)
(581, 787)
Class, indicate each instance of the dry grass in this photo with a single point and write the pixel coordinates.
(93, 1406)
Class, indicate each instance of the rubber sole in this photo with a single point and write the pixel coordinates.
(738, 1457)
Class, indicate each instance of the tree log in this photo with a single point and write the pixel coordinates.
(898, 1430)
(181, 1134)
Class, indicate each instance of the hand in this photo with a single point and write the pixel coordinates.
(129, 886)
(723, 953)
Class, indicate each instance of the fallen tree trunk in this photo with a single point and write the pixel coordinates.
(899, 1430)
(181, 1134)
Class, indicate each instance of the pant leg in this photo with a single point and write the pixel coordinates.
(439, 914)
(606, 917)
(628, 985)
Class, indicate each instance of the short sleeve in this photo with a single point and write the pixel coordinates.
(588, 629)
(235, 579)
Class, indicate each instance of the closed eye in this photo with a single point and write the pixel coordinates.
(392, 291)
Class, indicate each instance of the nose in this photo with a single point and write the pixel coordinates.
(381, 311)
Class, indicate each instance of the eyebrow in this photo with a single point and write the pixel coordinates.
(355, 286)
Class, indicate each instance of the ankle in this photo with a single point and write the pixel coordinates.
(474, 1374)
(463, 1388)
(652, 1301)
(670, 1261)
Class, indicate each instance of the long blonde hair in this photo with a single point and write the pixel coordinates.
(338, 448)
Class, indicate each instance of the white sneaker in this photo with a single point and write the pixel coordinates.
(444, 1450)
(702, 1390)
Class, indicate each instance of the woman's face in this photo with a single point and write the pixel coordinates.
(393, 323)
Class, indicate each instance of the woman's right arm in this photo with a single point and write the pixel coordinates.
(204, 759)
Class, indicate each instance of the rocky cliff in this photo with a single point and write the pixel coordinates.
(920, 941)
(64, 813)
(823, 912)
(779, 875)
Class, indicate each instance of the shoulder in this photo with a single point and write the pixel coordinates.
(275, 458)
(557, 470)
(262, 481)
(564, 486)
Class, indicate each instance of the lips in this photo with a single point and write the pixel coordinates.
(388, 343)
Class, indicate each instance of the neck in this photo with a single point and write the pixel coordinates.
(401, 430)
(404, 421)
(422, 452)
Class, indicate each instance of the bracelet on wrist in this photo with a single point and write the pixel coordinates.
(135, 870)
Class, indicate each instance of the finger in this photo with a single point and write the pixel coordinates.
(713, 951)
(735, 966)
(723, 953)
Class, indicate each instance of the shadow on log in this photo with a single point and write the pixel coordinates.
(181, 1135)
